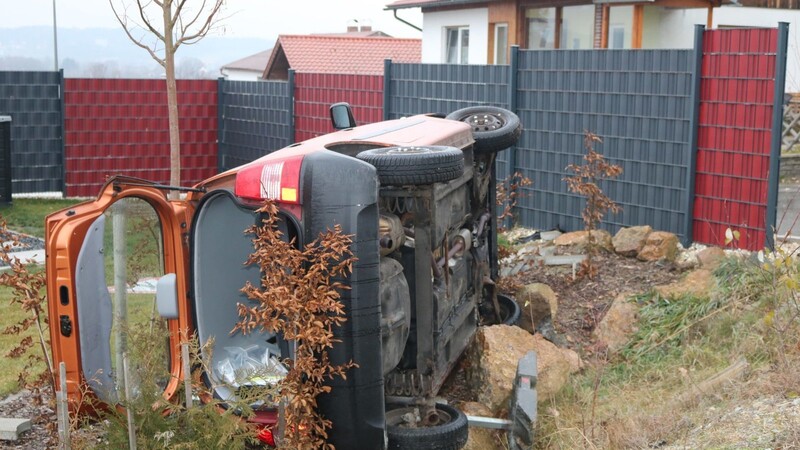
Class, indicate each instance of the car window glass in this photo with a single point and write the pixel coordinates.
(133, 258)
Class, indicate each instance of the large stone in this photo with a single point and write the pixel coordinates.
(659, 245)
(538, 302)
(629, 241)
(579, 240)
(491, 364)
(619, 323)
(710, 258)
(480, 438)
(697, 283)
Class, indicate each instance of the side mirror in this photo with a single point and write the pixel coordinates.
(167, 296)
(342, 116)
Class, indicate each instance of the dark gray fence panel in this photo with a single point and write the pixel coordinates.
(33, 101)
(444, 88)
(638, 102)
(254, 120)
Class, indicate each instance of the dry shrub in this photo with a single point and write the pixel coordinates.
(299, 297)
(584, 182)
(29, 294)
(508, 194)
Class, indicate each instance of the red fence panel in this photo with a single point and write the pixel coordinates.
(120, 126)
(737, 89)
(314, 93)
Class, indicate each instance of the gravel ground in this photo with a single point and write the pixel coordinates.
(26, 242)
(22, 405)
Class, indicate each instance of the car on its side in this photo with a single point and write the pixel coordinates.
(418, 197)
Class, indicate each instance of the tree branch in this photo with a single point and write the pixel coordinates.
(146, 21)
(123, 21)
(191, 39)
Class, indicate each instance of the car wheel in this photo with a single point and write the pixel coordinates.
(415, 165)
(448, 430)
(494, 129)
(509, 311)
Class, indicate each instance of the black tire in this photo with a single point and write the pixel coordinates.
(494, 129)
(451, 434)
(415, 165)
(509, 311)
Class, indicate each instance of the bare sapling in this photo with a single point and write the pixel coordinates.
(585, 182)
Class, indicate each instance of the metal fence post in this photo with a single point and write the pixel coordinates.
(61, 90)
(694, 125)
(777, 127)
(290, 94)
(387, 88)
(513, 84)
(220, 124)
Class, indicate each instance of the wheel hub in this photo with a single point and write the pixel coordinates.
(484, 122)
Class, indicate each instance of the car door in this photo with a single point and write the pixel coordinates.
(106, 259)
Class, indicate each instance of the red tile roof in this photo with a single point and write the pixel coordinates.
(343, 54)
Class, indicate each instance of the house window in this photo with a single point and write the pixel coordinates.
(617, 37)
(541, 28)
(577, 27)
(457, 45)
(620, 27)
(501, 43)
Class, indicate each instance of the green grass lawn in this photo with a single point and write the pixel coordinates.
(26, 215)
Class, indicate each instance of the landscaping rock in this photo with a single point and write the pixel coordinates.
(619, 323)
(538, 302)
(629, 241)
(578, 240)
(480, 438)
(697, 283)
(491, 364)
(710, 258)
(660, 245)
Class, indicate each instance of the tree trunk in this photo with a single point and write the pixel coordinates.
(172, 101)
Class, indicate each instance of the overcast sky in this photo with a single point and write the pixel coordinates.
(245, 18)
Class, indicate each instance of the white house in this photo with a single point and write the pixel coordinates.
(482, 31)
(248, 68)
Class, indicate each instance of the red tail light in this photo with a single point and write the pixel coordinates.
(277, 180)
(265, 436)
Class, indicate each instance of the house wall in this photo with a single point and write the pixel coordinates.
(241, 74)
(433, 36)
(675, 29)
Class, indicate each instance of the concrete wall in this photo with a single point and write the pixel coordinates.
(433, 34)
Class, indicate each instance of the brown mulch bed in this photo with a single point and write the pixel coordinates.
(582, 303)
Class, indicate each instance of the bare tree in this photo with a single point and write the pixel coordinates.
(161, 27)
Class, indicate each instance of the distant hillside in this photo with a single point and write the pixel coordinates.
(107, 52)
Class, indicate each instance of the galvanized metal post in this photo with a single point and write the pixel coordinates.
(290, 94)
(221, 124)
(126, 381)
(120, 319)
(777, 127)
(387, 88)
(694, 126)
(187, 374)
